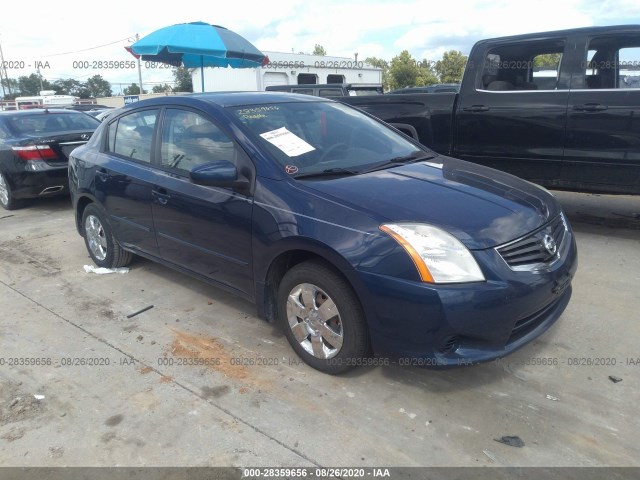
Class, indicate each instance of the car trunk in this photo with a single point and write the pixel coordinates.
(59, 146)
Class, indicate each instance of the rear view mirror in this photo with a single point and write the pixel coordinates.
(218, 174)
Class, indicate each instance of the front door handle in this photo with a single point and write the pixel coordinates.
(590, 107)
(102, 174)
(476, 108)
(161, 195)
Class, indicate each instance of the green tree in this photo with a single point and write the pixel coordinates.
(451, 67)
(98, 87)
(10, 84)
(384, 65)
(427, 74)
(403, 71)
(70, 86)
(33, 84)
(133, 89)
(161, 88)
(319, 50)
(182, 76)
(551, 60)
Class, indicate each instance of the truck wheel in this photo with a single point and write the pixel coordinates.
(6, 197)
(102, 246)
(322, 318)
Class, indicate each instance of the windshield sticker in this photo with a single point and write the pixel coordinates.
(256, 112)
(291, 169)
(291, 144)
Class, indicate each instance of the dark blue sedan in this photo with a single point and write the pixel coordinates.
(353, 237)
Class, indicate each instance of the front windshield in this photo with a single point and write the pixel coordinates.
(314, 137)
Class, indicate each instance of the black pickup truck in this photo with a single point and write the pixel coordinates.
(569, 119)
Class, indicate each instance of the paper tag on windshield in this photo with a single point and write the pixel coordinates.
(291, 144)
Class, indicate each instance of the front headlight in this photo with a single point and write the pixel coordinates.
(438, 255)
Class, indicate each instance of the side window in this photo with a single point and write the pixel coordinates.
(190, 140)
(546, 70)
(330, 92)
(132, 135)
(3, 131)
(612, 63)
(303, 91)
(526, 66)
(113, 127)
(629, 67)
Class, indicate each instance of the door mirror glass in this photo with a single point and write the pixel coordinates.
(215, 174)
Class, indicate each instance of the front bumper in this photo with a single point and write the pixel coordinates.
(454, 325)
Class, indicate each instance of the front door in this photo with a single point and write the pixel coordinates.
(204, 229)
(513, 109)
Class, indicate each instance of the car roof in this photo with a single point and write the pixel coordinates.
(227, 99)
(31, 111)
(584, 30)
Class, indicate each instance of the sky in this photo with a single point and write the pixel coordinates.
(62, 37)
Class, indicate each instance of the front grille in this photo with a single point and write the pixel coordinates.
(538, 249)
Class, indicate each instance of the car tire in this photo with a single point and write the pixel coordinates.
(7, 201)
(104, 249)
(322, 318)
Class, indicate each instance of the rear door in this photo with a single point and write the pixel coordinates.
(603, 130)
(124, 178)
(204, 229)
(512, 110)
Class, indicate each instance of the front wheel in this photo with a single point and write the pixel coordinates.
(102, 246)
(322, 318)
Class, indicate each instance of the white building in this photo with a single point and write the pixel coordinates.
(287, 69)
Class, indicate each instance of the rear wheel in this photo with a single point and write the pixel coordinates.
(6, 196)
(102, 246)
(322, 318)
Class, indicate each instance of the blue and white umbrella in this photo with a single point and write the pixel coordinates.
(198, 44)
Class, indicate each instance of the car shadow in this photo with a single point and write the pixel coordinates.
(588, 213)
(447, 380)
(55, 204)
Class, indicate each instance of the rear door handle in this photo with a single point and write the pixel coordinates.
(476, 108)
(161, 195)
(590, 107)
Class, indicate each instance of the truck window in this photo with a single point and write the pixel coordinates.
(303, 91)
(546, 70)
(612, 63)
(525, 66)
(330, 92)
(629, 67)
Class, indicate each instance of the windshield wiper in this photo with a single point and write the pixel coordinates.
(326, 173)
(414, 157)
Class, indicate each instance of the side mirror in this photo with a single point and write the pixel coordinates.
(218, 174)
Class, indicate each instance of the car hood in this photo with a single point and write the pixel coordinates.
(482, 207)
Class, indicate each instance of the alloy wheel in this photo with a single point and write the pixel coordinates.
(4, 190)
(315, 321)
(96, 237)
